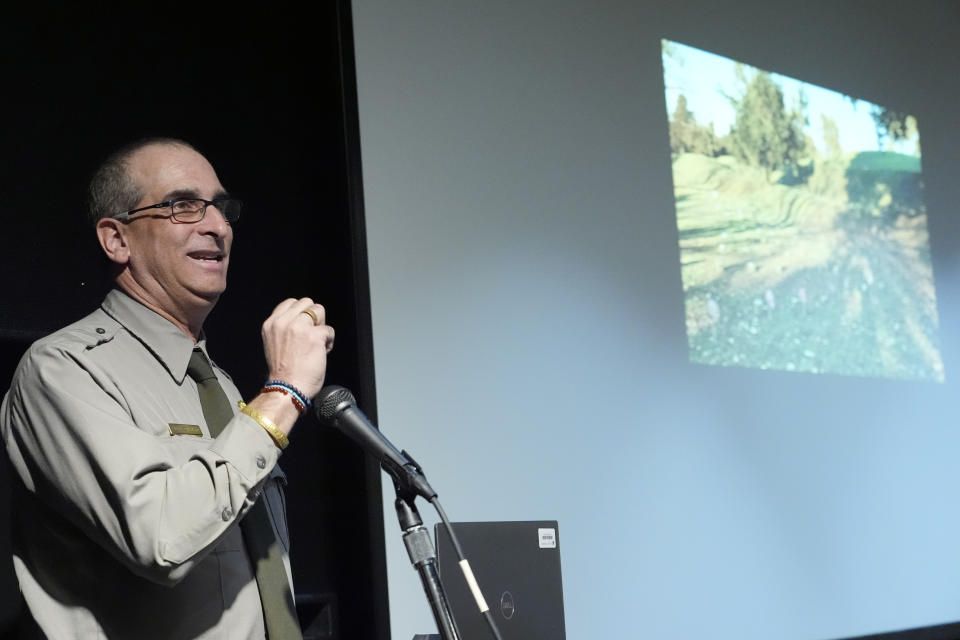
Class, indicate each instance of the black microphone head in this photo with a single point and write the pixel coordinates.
(331, 401)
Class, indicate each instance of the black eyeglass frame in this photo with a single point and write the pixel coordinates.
(231, 218)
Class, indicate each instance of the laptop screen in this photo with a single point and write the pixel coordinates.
(517, 566)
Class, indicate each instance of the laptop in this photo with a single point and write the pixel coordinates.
(517, 566)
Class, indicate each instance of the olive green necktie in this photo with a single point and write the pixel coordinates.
(279, 613)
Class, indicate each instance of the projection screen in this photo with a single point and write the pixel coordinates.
(682, 277)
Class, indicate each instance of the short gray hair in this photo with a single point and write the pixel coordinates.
(112, 189)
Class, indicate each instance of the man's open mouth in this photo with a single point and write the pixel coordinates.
(207, 256)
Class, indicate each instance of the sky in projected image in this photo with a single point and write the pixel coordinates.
(802, 228)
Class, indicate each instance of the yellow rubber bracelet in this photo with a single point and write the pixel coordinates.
(278, 436)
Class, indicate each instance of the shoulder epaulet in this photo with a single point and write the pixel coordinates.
(90, 332)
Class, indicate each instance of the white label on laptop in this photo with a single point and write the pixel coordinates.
(548, 538)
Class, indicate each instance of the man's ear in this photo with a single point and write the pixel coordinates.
(112, 235)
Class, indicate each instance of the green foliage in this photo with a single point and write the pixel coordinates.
(890, 124)
(765, 134)
(831, 136)
(829, 177)
(893, 125)
(686, 136)
(885, 161)
(884, 187)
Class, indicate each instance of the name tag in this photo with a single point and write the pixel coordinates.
(184, 429)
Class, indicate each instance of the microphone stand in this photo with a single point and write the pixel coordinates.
(423, 555)
(337, 406)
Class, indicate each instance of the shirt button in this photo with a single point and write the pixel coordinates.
(101, 330)
(226, 514)
(261, 462)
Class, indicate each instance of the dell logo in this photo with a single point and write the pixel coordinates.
(507, 605)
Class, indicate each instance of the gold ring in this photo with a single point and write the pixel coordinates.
(313, 315)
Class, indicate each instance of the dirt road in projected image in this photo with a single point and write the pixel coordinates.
(830, 275)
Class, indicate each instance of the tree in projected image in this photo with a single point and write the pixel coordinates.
(765, 134)
(686, 136)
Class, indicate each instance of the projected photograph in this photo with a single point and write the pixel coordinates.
(802, 228)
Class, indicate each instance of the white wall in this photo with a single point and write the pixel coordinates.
(529, 323)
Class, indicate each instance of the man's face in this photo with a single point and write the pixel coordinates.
(177, 266)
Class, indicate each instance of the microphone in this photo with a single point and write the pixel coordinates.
(337, 407)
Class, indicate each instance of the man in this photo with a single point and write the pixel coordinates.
(142, 507)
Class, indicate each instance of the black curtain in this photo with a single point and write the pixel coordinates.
(267, 93)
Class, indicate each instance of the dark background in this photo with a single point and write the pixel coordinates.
(269, 98)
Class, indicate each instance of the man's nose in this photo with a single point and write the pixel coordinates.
(214, 221)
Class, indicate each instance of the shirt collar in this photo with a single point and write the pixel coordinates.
(171, 346)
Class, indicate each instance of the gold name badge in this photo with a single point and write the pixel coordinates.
(184, 429)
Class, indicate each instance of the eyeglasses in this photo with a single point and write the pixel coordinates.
(192, 209)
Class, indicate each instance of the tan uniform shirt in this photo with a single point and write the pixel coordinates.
(126, 510)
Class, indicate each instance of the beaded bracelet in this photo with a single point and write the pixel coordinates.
(293, 391)
(278, 436)
(296, 402)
